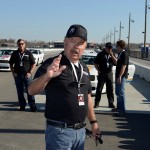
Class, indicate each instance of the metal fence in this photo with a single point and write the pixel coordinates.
(140, 54)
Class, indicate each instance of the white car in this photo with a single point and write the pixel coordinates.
(131, 71)
(38, 56)
(88, 58)
(5, 55)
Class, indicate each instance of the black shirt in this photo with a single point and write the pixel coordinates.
(123, 59)
(26, 58)
(62, 93)
(105, 62)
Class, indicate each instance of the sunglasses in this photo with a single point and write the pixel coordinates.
(21, 44)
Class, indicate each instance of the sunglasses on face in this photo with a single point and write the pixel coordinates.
(21, 44)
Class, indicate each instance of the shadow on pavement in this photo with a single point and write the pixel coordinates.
(8, 106)
(22, 131)
(130, 132)
(133, 131)
(13, 106)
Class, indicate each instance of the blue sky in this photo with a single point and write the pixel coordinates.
(48, 20)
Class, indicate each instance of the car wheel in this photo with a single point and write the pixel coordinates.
(37, 62)
(42, 61)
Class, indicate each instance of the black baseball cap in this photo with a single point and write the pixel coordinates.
(77, 30)
(109, 45)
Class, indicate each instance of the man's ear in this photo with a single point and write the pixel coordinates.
(86, 44)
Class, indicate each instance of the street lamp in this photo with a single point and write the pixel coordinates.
(121, 27)
(110, 35)
(107, 37)
(130, 20)
(115, 35)
(103, 40)
(146, 7)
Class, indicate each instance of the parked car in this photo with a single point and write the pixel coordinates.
(131, 71)
(5, 55)
(88, 57)
(38, 55)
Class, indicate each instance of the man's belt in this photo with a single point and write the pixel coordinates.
(66, 125)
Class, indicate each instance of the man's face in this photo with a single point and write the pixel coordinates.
(108, 50)
(118, 48)
(21, 46)
(74, 48)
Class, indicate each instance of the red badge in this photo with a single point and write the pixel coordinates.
(81, 99)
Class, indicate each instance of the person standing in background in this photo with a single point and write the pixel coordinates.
(121, 76)
(104, 62)
(22, 64)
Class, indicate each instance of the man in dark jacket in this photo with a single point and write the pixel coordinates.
(104, 63)
(22, 64)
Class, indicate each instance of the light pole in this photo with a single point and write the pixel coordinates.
(107, 37)
(121, 27)
(110, 35)
(130, 20)
(115, 35)
(103, 40)
(145, 27)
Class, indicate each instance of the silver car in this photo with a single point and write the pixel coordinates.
(5, 55)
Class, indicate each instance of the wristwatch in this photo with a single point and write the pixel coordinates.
(93, 121)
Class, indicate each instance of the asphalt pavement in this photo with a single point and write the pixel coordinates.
(26, 130)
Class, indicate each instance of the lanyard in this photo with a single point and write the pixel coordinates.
(75, 73)
(21, 56)
(120, 54)
(107, 58)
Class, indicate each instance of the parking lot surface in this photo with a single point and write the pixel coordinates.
(26, 130)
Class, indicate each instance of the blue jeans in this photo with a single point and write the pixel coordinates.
(22, 82)
(120, 92)
(64, 138)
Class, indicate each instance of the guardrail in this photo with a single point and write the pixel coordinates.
(142, 71)
(139, 54)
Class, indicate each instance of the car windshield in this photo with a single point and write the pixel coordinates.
(34, 51)
(88, 59)
(6, 52)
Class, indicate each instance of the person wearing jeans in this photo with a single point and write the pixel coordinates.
(120, 93)
(72, 139)
(22, 82)
(67, 85)
(121, 75)
(22, 64)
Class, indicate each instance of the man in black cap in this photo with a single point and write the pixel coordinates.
(104, 63)
(66, 81)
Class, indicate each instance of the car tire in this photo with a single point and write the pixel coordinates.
(42, 61)
(37, 62)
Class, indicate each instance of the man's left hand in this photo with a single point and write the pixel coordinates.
(28, 75)
(95, 130)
